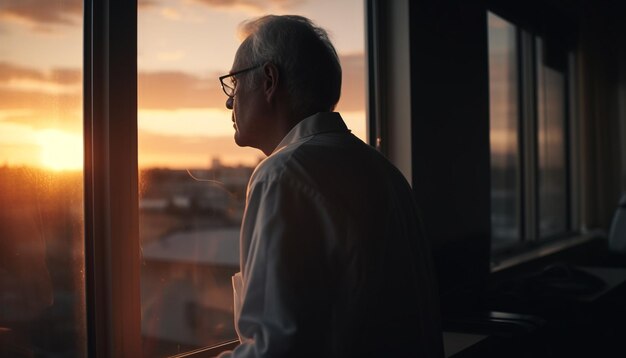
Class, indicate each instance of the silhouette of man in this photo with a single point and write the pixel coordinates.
(333, 260)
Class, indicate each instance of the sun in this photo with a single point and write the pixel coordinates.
(60, 150)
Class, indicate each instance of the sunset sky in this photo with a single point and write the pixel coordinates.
(183, 46)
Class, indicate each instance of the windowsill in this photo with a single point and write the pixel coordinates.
(544, 250)
(208, 352)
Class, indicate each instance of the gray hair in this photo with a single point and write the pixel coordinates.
(307, 60)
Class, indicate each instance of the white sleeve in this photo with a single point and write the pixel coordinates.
(286, 238)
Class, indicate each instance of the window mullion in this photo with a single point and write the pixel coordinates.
(573, 145)
(529, 138)
(111, 221)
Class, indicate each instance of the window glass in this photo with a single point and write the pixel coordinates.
(42, 288)
(193, 177)
(504, 123)
(551, 147)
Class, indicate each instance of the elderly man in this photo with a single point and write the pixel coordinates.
(333, 260)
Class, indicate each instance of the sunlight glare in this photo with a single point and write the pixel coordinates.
(60, 150)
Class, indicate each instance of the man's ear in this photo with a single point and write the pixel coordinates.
(271, 81)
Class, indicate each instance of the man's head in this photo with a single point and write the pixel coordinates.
(294, 73)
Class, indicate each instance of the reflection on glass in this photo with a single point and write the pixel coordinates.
(42, 307)
(551, 148)
(504, 119)
(193, 177)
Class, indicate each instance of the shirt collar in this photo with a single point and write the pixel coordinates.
(322, 122)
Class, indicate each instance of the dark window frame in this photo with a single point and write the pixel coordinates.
(110, 136)
(528, 146)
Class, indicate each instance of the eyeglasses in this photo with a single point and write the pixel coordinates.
(229, 82)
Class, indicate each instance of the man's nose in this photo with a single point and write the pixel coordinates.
(229, 103)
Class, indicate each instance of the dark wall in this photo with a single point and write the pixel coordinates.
(600, 62)
(450, 135)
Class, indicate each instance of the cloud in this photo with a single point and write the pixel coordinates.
(31, 100)
(37, 97)
(171, 56)
(40, 98)
(253, 5)
(52, 98)
(171, 90)
(19, 78)
(171, 13)
(38, 14)
(146, 3)
(9, 71)
(66, 76)
(174, 90)
(60, 76)
(45, 15)
(41, 110)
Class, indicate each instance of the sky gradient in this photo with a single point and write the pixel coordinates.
(183, 46)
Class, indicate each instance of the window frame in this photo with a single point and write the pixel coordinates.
(112, 255)
(389, 81)
(531, 244)
(112, 248)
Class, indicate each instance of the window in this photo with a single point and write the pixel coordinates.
(69, 248)
(504, 128)
(192, 176)
(530, 166)
(551, 132)
(42, 283)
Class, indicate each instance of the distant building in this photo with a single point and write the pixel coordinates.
(191, 271)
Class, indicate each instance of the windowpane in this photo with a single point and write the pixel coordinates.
(42, 288)
(504, 123)
(551, 151)
(193, 177)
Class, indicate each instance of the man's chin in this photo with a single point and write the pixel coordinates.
(238, 140)
(242, 141)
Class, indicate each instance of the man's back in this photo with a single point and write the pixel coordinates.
(334, 259)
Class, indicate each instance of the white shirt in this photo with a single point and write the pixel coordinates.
(333, 260)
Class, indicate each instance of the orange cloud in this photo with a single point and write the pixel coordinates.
(9, 71)
(173, 90)
(60, 76)
(40, 110)
(40, 98)
(38, 101)
(44, 15)
(36, 13)
(256, 5)
(37, 97)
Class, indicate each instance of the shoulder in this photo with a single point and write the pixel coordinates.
(289, 173)
(280, 166)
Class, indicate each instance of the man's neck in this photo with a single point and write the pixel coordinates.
(283, 125)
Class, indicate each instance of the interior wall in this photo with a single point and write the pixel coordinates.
(599, 107)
